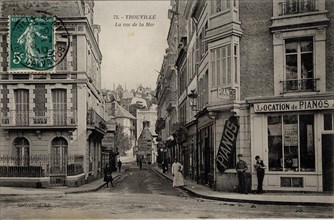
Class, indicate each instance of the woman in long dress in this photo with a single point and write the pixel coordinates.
(177, 174)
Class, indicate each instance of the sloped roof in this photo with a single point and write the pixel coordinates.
(120, 112)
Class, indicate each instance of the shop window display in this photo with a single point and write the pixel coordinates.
(291, 143)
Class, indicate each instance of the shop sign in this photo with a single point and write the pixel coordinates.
(226, 93)
(108, 140)
(227, 143)
(320, 104)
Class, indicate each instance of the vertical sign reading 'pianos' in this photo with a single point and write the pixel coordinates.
(227, 143)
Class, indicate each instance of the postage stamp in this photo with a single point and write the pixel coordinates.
(38, 42)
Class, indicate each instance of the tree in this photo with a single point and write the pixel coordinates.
(122, 140)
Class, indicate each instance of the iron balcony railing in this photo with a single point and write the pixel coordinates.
(48, 117)
(40, 166)
(289, 7)
(299, 85)
(95, 120)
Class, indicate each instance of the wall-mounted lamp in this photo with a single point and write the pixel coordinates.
(193, 99)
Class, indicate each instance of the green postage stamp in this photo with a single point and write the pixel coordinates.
(33, 42)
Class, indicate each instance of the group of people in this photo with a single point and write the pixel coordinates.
(241, 168)
(177, 169)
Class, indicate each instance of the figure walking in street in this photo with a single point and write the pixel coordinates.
(241, 170)
(107, 175)
(164, 166)
(260, 167)
(140, 163)
(119, 164)
(177, 169)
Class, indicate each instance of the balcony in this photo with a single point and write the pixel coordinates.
(48, 118)
(298, 14)
(299, 85)
(95, 121)
(290, 7)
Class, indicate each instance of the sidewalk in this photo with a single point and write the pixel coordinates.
(282, 198)
(90, 187)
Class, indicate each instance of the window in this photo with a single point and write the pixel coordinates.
(59, 101)
(203, 46)
(299, 65)
(21, 107)
(183, 113)
(203, 91)
(182, 79)
(21, 146)
(291, 143)
(221, 66)
(328, 122)
(220, 5)
(296, 6)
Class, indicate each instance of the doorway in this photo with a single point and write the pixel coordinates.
(327, 162)
(58, 168)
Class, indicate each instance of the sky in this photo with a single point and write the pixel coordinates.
(131, 55)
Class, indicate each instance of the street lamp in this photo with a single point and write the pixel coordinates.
(193, 100)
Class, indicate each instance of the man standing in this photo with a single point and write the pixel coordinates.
(259, 166)
(241, 169)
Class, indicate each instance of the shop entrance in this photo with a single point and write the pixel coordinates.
(327, 161)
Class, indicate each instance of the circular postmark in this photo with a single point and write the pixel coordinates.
(38, 42)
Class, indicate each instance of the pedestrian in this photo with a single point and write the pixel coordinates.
(164, 166)
(260, 167)
(119, 165)
(107, 175)
(177, 169)
(241, 170)
(140, 163)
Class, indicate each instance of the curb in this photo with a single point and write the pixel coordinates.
(247, 200)
(91, 190)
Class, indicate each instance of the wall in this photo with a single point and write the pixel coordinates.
(256, 50)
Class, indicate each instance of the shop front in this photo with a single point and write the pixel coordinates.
(295, 138)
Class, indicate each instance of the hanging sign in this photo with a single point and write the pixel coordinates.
(227, 143)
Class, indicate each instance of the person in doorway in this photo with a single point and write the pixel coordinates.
(177, 174)
(107, 175)
(259, 167)
(119, 164)
(241, 170)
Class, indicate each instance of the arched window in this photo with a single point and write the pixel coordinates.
(21, 146)
(58, 156)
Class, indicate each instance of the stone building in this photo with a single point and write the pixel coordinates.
(268, 63)
(52, 120)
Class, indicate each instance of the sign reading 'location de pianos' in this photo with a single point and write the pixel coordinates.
(227, 143)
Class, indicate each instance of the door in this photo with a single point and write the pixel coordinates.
(58, 168)
(327, 161)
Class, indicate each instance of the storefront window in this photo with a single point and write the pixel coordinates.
(291, 143)
(275, 143)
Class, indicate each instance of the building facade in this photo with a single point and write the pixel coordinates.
(269, 64)
(48, 135)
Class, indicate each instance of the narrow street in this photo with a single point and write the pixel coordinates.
(143, 194)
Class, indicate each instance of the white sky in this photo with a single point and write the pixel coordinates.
(131, 54)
